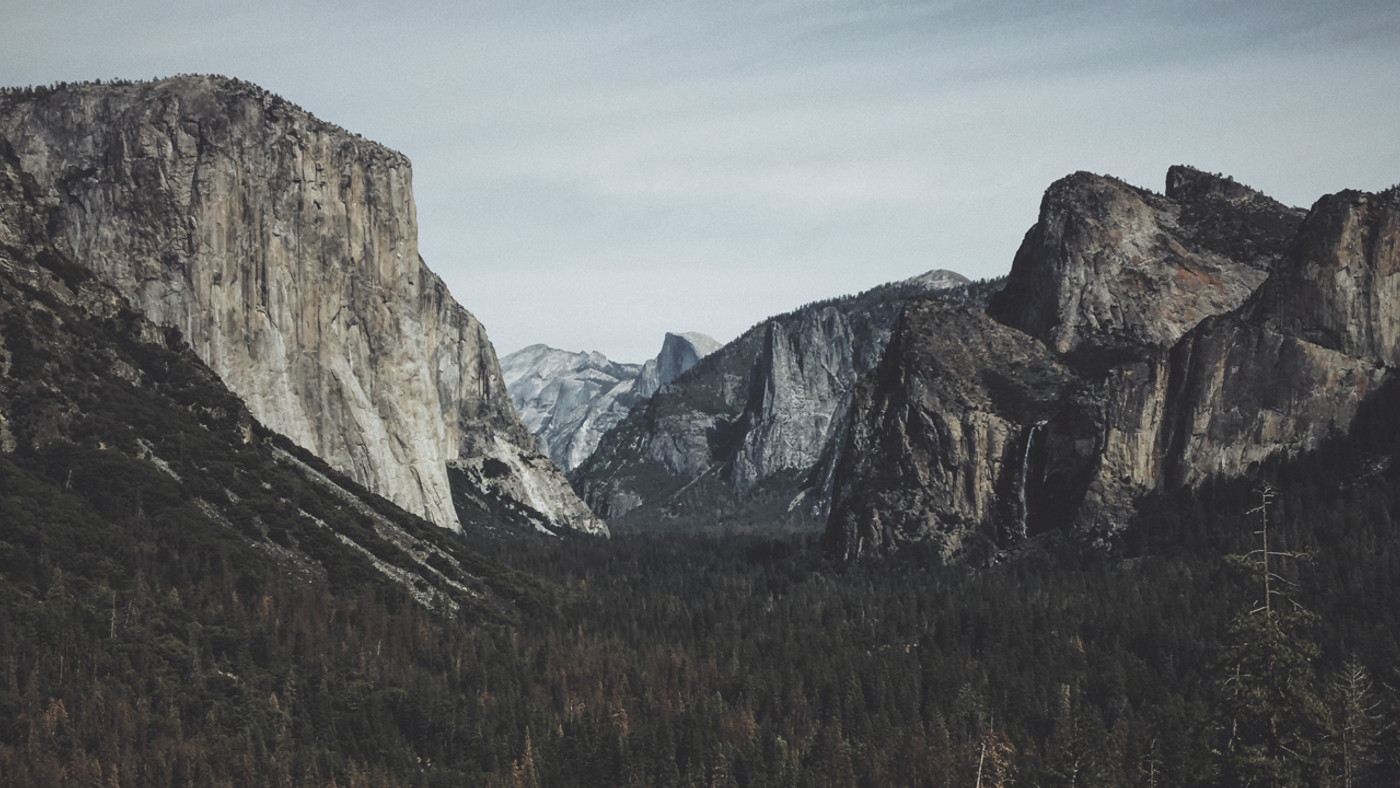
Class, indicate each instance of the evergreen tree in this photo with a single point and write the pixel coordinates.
(1275, 722)
(1358, 719)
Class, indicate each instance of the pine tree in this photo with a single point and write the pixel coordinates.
(1274, 721)
(1358, 720)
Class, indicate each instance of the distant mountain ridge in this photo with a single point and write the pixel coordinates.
(751, 434)
(570, 400)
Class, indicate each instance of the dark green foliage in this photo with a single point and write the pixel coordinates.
(1274, 725)
(1094, 362)
(493, 468)
(648, 660)
(1029, 393)
(1241, 229)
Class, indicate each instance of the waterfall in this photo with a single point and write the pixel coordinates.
(1022, 480)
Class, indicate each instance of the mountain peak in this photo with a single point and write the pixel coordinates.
(1188, 184)
(1110, 266)
(679, 352)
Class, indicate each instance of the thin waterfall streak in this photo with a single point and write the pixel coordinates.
(1024, 511)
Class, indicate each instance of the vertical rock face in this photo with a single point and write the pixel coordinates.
(284, 249)
(1109, 266)
(953, 437)
(1341, 282)
(800, 386)
(680, 352)
(751, 433)
(1292, 365)
(1154, 392)
(570, 400)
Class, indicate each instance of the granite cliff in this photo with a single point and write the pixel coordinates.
(752, 433)
(570, 400)
(1178, 336)
(113, 433)
(284, 251)
(1110, 266)
(958, 438)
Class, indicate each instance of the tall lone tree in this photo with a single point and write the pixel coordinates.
(1275, 723)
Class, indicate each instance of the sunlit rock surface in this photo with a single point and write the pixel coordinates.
(284, 249)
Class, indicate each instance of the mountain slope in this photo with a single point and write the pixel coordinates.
(284, 250)
(570, 400)
(1155, 393)
(752, 432)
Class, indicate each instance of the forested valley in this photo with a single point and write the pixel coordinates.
(158, 650)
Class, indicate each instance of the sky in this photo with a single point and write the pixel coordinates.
(591, 175)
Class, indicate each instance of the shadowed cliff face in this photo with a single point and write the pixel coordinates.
(284, 250)
(1173, 390)
(1341, 282)
(1293, 364)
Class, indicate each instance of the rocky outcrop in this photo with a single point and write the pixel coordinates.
(1262, 380)
(956, 438)
(1110, 267)
(110, 424)
(931, 457)
(284, 250)
(570, 400)
(679, 352)
(1291, 367)
(753, 432)
(1341, 282)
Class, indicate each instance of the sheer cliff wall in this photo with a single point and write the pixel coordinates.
(284, 249)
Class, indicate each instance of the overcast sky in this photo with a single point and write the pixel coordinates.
(591, 175)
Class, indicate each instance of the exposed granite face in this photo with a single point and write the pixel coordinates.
(570, 400)
(1292, 365)
(680, 352)
(122, 412)
(1109, 266)
(961, 429)
(1340, 285)
(284, 249)
(799, 389)
(753, 432)
(928, 460)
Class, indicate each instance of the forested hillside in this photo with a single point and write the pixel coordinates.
(696, 661)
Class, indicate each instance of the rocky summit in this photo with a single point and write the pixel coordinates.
(1109, 266)
(284, 251)
(570, 400)
(1146, 342)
